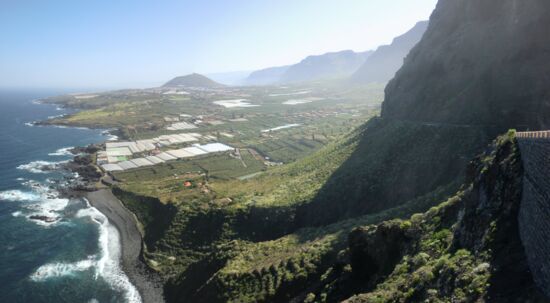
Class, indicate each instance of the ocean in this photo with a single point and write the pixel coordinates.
(75, 258)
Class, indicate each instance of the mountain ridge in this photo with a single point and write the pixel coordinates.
(332, 65)
(289, 244)
(327, 66)
(387, 59)
(266, 76)
(477, 75)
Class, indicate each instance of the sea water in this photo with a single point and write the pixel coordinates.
(74, 259)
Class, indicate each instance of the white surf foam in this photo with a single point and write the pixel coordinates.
(112, 137)
(40, 167)
(55, 116)
(65, 151)
(48, 205)
(107, 266)
(39, 201)
(56, 270)
(18, 195)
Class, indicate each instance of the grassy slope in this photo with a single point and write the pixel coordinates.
(379, 166)
(260, 229)
(279, 269)
(436, 257)
(440, 256)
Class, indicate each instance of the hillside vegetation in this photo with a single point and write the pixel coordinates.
(393, 211)
(288, 213)
(287, 243)
(437, 255)
(465, 250)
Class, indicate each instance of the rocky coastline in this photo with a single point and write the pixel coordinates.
(86, 183)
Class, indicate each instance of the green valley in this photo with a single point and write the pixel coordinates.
(321, 192)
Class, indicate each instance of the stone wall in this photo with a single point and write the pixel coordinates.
(534, 216)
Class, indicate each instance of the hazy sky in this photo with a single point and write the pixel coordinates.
(123, 43)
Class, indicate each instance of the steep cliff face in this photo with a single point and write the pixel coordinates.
(534, 218)
(467, 249)
(479, 63)
(393, 162)
(480, 69)
(387, 59)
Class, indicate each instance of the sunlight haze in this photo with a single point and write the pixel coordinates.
(142, 43)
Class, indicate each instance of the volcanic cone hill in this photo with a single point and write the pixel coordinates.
(193, 80)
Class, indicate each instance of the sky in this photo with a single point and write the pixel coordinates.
(142, 43)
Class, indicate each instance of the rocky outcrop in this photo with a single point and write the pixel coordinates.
(467, 249)
(480, 68)
(479, 63)
(534, 216)
(374, 251)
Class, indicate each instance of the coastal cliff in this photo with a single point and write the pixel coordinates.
(332, 226)
(467, 249)
(479, 63)
(535, 209)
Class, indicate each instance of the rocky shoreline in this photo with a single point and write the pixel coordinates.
(87, 185)
(148, 282)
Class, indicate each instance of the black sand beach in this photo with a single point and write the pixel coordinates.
(146, 281)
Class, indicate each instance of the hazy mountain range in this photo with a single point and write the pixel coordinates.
(480, 69)
(387, 59)
(329, 66)
(266, 76)
(324, 67)
(363, 67)
(348, 66)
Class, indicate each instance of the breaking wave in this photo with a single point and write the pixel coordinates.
(40, 167)
(39, 201)
(17, 195)
(65, 151)
(105, 264)
(108, 265)
(56, 270)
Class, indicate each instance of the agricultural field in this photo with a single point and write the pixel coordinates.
(242, 117)
(269, 128)
(167, 181)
